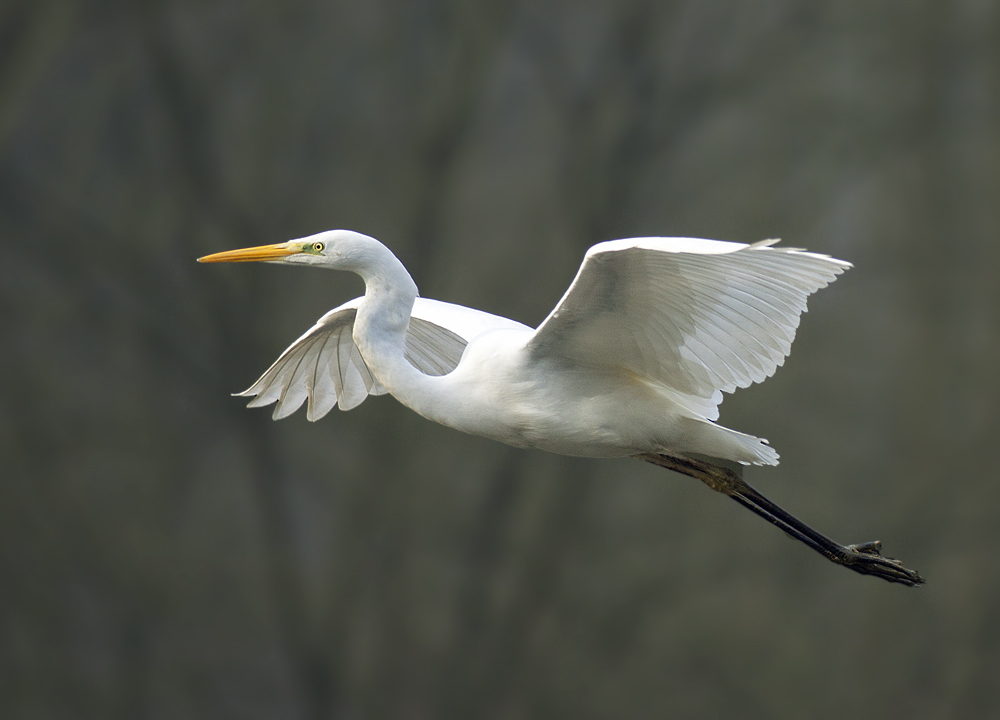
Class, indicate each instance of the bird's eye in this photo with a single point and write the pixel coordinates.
(317, 247)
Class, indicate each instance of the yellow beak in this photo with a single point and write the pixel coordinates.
(254, 254)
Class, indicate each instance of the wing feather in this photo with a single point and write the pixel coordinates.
(354, 390)
(322, 392)
(696, 317)
(294, 393)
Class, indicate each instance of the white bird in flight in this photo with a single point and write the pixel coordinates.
(632, 361)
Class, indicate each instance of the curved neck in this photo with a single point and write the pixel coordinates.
(381, 324)
(390, 292)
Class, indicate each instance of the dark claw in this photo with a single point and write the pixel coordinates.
(874, 547)
(866, 559)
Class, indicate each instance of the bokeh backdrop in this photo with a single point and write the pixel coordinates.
(167, 553)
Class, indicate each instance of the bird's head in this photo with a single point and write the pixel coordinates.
(340, 249)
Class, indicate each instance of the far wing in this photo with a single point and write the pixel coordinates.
(326, 367)
(697, 317)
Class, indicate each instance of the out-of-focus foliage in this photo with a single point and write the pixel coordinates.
(165, 552)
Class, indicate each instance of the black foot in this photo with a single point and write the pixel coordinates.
(866, 558)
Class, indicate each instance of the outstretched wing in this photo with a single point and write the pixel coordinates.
(326, 367)
(696, 317)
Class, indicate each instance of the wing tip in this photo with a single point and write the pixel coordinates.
(841, 265)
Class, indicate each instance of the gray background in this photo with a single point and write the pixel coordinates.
(166, 553)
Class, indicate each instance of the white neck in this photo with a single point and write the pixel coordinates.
(381, 324)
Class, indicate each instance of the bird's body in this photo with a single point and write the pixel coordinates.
(633, 360)
(499, 391)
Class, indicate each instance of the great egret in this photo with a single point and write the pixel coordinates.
(633, 360)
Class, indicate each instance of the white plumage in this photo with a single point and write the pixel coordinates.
(632, 361)
(634, 358)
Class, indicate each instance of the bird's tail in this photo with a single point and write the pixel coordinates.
(704, 437)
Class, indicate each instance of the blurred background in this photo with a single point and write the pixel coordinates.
(167, 553)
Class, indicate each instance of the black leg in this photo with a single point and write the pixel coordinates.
(863, 558)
